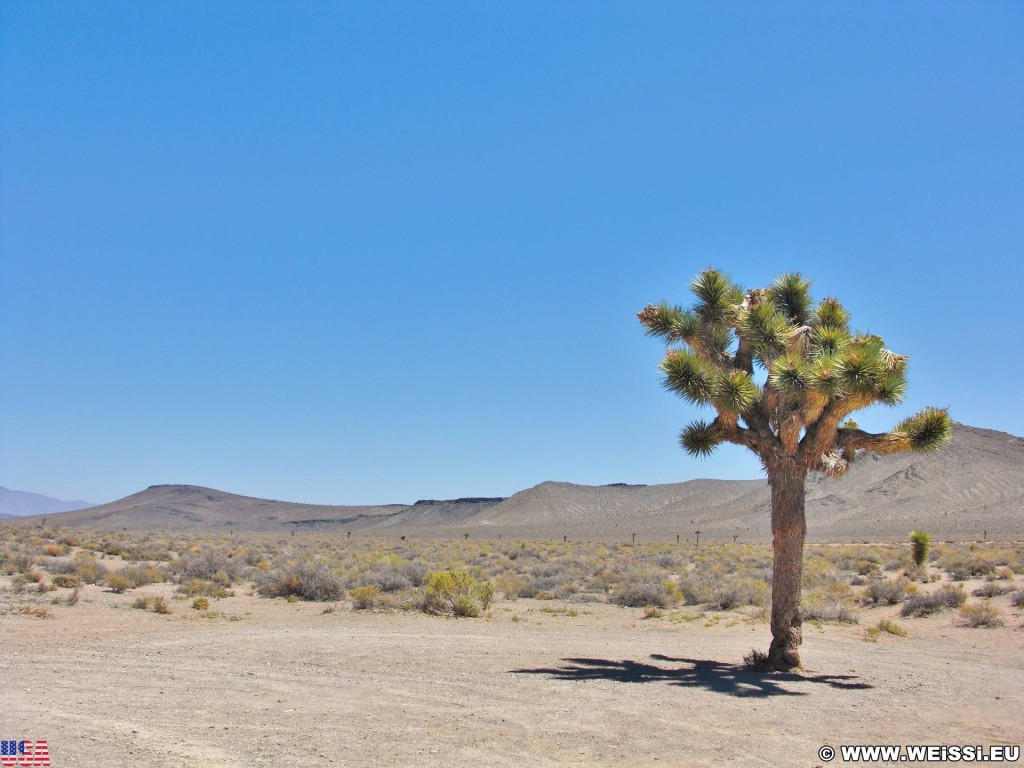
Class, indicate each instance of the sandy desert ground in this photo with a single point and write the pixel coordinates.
(269, 683)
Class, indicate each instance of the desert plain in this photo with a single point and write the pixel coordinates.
(565, 677)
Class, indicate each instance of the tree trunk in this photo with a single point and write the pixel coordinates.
(789, 527)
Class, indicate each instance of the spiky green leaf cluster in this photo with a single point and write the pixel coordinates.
(700, 438)
(926, 431)
(817, 372)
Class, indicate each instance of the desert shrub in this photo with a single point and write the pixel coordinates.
(639, 594)
(738, 592)
(885, 591)
(927, 603)
(992, 589)
(511, 585)
(545, 586)
(1017, 599)
(204, 588)
(155, 604)
(756, 661)
(213, 563)
(919, 541)
(980, 615)
(117, 582)
(88, 569)
(456, 592)
(416, 572)
(466, 606)
(916, 573)
(887, 626)
(200, 604)
(696, 590)
(962, 569)
(388, 579)
(830, 602)
(365, 596)
(143, 551)
(307, 580)
(159, 605)
(819, 571)
(65, 580)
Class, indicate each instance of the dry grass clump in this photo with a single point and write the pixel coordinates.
(132, 576)
(832, 601)
(154, 604)
(884, 626)
(980, 615)
(204, 588)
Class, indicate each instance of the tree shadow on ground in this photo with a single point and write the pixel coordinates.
(730, 679)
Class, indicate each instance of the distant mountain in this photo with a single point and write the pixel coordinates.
(20, 503)
(971, 488)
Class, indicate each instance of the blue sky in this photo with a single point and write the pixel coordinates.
(376, 252)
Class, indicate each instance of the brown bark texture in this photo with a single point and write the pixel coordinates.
(788, 477)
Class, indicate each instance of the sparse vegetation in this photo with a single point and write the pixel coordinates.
(395, 574)
(308, 579)
(886, 591)
(980, 615)
(927, 603)
(884, 626)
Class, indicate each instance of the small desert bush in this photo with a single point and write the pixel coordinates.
(887, 626)
(200, 604)
(213, 563)
(756, 661)
(510, 585)
(307, 580)
(456, 592)
(65, 580)
(88, 569)
(980, 615)
(640, 594)
(365, 596)
(964, 568)
(829, 602)
(131, 576)
(117, 582)
(739, 592)
(1017, 599)
(992, 589)
(155, 604)
(927, 603)
(204, 588)
(887, 592)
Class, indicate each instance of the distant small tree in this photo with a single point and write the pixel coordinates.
(919, 541)
(784, 375)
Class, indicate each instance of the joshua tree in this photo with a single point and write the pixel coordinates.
(784, 375)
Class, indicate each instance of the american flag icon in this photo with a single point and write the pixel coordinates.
(22, 753)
